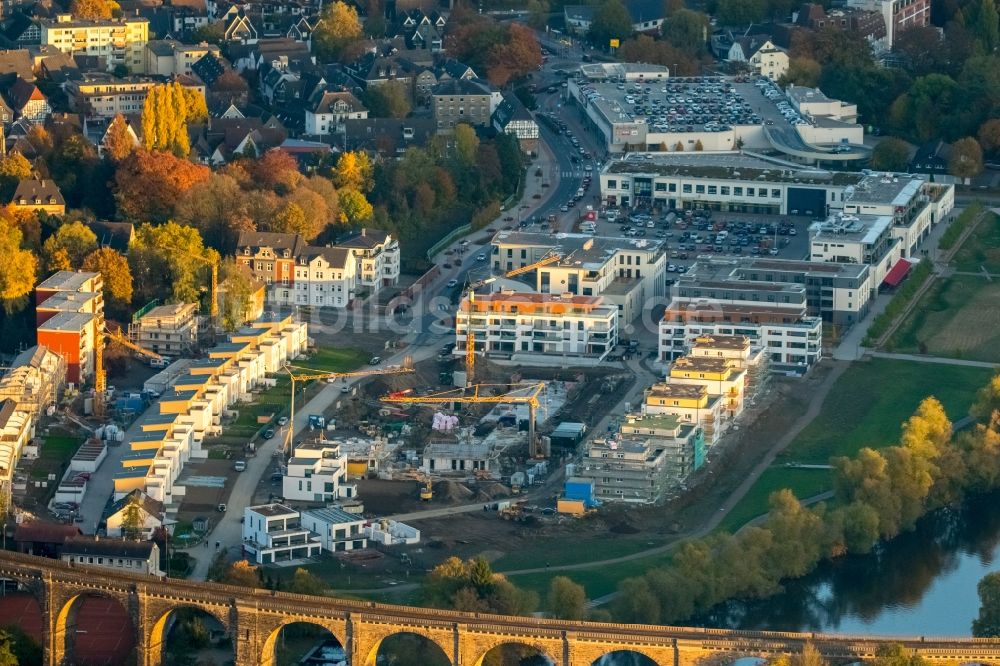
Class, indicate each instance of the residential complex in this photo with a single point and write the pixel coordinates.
(104, 96)
(469, 101)
(168, 330)
(117, 41)
(538, 327)
(171, 432)
(35, 380)
(69, 316)
(274, 533)
(296, 273)
(338, 530)
(317, 472)
(627, 274)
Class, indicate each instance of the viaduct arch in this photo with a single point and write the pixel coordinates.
(253, 619)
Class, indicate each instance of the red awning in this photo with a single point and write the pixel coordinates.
(897, 273)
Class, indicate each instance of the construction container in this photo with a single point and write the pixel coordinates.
(577, 488)
(571, 507)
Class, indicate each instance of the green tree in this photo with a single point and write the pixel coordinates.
(388, 100)
(894, 654)
(985, 23)
(687, 30)
(891, 154)
(117, 276)
(966, 159)
(74, 239)
(987, 624)
(339, 26)
(165, 265)
(611, 21)
(354, 207)
(466, 144)
(989, 136)
(132, 523)
(236, 288)
(304, 582)
(566, 600)
(740, 12)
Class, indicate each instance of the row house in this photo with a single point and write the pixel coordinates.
(170, 433)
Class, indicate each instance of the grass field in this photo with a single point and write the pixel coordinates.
(335, 360)
(958, 317)
(54, 455)
(866, 407)
(982, 248)
(597, 581)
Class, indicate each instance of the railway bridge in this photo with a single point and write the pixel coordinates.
(253, 619)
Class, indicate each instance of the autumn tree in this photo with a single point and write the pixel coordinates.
(891, 154)
(93, 10)
(473, 586)
(132, 526)
(516, 55)
(354, 207)
(466, 144)
(219, 209)
(802, 71)
(165, 262)
(242, 573)
(989, 136)
(339, 26)
(120, 141)
(117, 277)
(149, 185)
(168, 109)
(611, 21)
(276, 170)
(966, 159)
(68, 246)
(687, 30)
(304, 582)
(236, 287)
(354, 170)
(388, 100)
(17, 279)
(13, 169)
(566, 600)
(644, 48)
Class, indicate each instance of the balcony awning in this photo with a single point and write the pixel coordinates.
(897, 273)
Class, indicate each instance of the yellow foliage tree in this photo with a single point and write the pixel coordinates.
(339, 26)
(93, 10)
(165, 115)
(354, 170)
(17, 279)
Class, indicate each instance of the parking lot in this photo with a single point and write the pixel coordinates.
(682, 104)
(708, 233)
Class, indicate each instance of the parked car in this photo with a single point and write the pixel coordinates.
(375, 360)
(452, 283)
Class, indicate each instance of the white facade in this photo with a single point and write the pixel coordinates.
(338, 531)
(274, 533)
(856, 239)
(519, 326)
(323, 279)
(392, 533)
(376, 255)
(330, 112)
(317, 472)
(120, 41)
(169, 329)
(770, 61)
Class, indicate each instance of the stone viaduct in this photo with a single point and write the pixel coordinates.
(254, 618)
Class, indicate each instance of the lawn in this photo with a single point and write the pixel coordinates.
(958, 317)
(572, 551)
(54, 455)
(335, 360)
(982, 248)
(597, 581)
(866, 407)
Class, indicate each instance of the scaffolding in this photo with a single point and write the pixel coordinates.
(758, 379)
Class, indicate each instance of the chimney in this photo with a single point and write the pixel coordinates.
(364, 232)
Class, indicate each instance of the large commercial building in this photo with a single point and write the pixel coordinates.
(117, 41)
(729, 182)
(628, 274)
(541, 328)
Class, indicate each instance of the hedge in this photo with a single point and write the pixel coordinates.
(900, 301)
(958, 227)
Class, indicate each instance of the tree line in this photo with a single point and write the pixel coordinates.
(879, 494)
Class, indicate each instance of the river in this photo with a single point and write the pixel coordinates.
(922, 583)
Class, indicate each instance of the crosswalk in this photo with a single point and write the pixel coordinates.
(571, 174)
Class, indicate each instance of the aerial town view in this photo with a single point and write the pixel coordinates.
(499, 333)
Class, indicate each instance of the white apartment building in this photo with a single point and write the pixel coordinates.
(338, 530)
(376, 254)
(856, 239)
(627, 274)
(16, 429)
(136, 557)
(328, 112)
(770, 61)
(168, 329)
(274, 533)
(168, 57)
(297, 273)
(692, 404)
(538, 328)
(914, 204)
(317, 472)
(119, 41)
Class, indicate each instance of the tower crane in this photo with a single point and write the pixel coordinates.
(526, 394)
(100, 375)
(300, 374)
(470, 337)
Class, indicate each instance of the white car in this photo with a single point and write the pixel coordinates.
(452, 283)
(481, 257)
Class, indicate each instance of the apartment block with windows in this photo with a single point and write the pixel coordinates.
(119, 41)
(274, 533)
(317, 472)
(691, 403)
(377, 256)
(105, 96)
(69, 315)
(168, 329)
(628, 274)
(533, 327)
(647, 457)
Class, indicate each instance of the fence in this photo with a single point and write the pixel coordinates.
(448, 240)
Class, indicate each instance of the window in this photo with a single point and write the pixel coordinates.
(712, 189)
(686, 188)
(775, 194)
(738, 191)
(612, 184)
(724, 190)
(699, 189)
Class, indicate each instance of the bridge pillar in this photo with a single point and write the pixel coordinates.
(366, 635)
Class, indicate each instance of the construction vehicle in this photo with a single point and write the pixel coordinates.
(300, 374)
(479, 394)
(100, 374)
(427, 490)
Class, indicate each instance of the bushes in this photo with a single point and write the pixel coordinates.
(958, 226)
(900, 301)
(879, 494)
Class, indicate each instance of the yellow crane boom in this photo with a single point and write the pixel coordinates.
(549, 258)
(300, 374)
(100, 374)
(478, 394)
